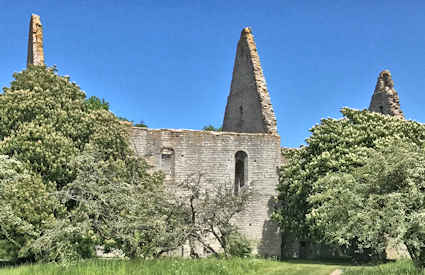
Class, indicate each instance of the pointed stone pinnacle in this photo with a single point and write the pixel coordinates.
(246, 31)
(385, 99)
(35, 42)
(385, 81)
(248, 109)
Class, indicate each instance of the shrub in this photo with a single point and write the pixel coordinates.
(239, 245)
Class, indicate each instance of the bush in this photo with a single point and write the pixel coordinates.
(239, 246)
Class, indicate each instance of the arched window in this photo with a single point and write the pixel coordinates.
(241, 170)
(167, 161)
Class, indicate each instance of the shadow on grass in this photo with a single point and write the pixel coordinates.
(6, 263)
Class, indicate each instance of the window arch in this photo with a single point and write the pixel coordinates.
(167, 161)
(241, 170)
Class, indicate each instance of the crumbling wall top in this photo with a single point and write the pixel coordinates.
(249, 108)
(385, 98)
(35, 42)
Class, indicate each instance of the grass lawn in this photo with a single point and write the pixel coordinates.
(178, 267)
(209, 266)
(399, 267)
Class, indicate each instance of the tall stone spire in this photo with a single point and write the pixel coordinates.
(385, 98)
(35, 42)
(248, 109)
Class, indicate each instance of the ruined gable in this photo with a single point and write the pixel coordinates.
(35, 42)
(385, 98)
(181, 153)
(248, 109)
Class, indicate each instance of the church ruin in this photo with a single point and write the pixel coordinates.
(246, 151)
(35, 42)
(385, 98)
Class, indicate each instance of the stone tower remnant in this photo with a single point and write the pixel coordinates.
(385, 99)
(35, 42)
(248, 109)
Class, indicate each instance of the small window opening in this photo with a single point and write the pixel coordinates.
(381, 109)
(167, 162)
(241, 170)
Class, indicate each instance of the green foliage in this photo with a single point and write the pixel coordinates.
(384, 199)
(95, 103)
(211, 127)
(26, 207)
(68, 178)
(116, 204)
(336, 148)
(121, 118)
(239, 245)
(208, 212)
(45, 122)
(141, 124)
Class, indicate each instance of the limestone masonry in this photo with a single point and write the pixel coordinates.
(249, 109)
(181, 153)
(35, 42)
(385, 98)
(247, 151)
(249, 130)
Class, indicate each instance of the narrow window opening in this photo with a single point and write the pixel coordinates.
(167, 162)
(381, 109)
(241, 170)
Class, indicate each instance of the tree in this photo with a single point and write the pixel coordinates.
(95, 103)
(75, 174)
(208, 213)
(211, 127)
(27, 208)
(335, 146)
(141, 124)
(45, 122)
(116, 205)
(384, 199)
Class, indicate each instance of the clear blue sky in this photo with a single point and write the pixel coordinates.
(170, 63)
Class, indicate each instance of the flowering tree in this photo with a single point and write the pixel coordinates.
(336, 147)
(382, 200)
(68, 173)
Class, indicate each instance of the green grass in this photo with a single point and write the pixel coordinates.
(178, 267)
(209, 266)
(399, 267)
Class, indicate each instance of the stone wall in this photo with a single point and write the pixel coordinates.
(180, 153)
(248, 109)
(35, 42)
(385, 99)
